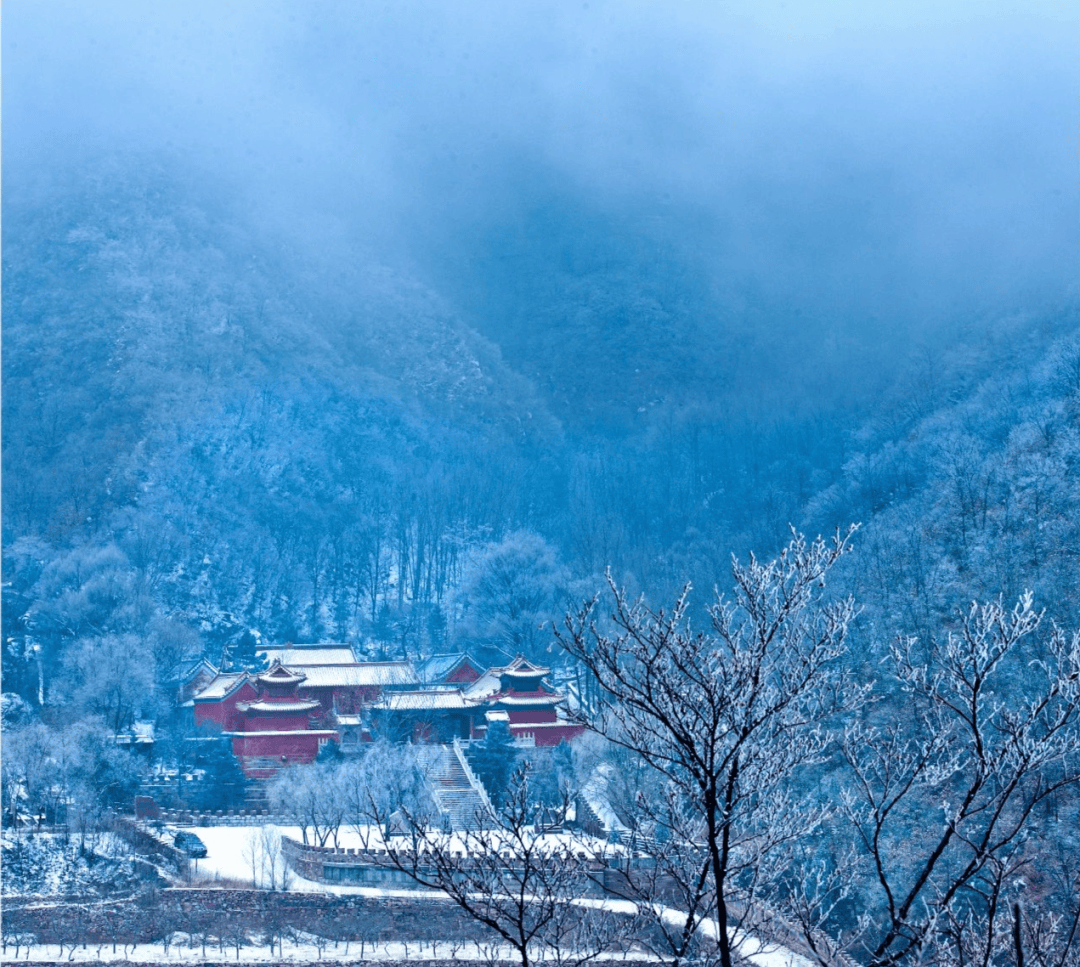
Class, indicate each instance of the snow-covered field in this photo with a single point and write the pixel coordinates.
(229, 857)
(231, 853)
(303, 951)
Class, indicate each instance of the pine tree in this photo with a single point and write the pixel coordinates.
(241, 652)
(494, 760)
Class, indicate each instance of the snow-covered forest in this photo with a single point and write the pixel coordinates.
(405, 325)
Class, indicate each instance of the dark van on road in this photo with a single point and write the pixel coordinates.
(190, 844)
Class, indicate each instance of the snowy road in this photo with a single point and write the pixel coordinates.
(229, 858)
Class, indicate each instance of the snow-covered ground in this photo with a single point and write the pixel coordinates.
(230, 851)
(183, 949)
(229, 857)
(50, 864)
(230, 854)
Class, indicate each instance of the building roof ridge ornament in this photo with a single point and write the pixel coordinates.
(279, 674)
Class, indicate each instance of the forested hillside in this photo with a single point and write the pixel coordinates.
(560, 330)
(309, 452)
(404, 326)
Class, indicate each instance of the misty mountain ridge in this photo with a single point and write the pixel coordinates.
(260, 411)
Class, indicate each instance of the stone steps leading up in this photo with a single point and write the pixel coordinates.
(458, 801)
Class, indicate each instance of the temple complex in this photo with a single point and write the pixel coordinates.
(311, 695)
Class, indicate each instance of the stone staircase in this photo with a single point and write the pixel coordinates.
(457, 792)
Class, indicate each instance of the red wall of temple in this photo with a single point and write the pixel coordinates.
(533, 715)
(270, 723)
(463, 674)
(301, 747)
(298, 747)
(224, 714)
(550, 736)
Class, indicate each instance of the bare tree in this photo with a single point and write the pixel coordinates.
(727, 718)
(950, 804)
(509, 877)
(379, 782)
(278, 874)
(26, 769)
(311, 796)
(253, 857)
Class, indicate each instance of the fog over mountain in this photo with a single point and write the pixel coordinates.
(805, 175)
(657, 279)
(411, 324)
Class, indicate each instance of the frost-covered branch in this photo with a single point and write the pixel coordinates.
(728, 718)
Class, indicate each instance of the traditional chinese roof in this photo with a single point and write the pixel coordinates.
(533, 726)
(521, 668)
(278, 674)
(521, 675)
(485, 686)
(436, 668)
(306, 655)
(535, 699)
(519, 672)
(368, 674)
(184, 671)
(419, 701)
(281, 708)
(222, 686)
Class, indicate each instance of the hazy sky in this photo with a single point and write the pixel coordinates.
(866, 157)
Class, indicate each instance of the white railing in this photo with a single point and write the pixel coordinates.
(474, 781)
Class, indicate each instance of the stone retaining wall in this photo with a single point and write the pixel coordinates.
(328, 864)
(222, 913)
(325, 962)
(146, 844)
(240, 817)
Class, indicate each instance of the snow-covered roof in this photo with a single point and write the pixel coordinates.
(485, 686)
(490, 682)
(437, 667)
(362, 674)
(278, 674)
(282, 707)
(521, 668)
(326, 654)
(223, 685)
(183, 671)
(422, 700)
(532, 699)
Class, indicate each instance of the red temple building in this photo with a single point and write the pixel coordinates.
(317, 694)
(532, 709)
(269, 722)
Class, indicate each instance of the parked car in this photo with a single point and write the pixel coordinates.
(189, 844)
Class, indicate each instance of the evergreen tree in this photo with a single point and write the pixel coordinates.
(241, 652)
(494, 760)
(330, 752)
(224, 783)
